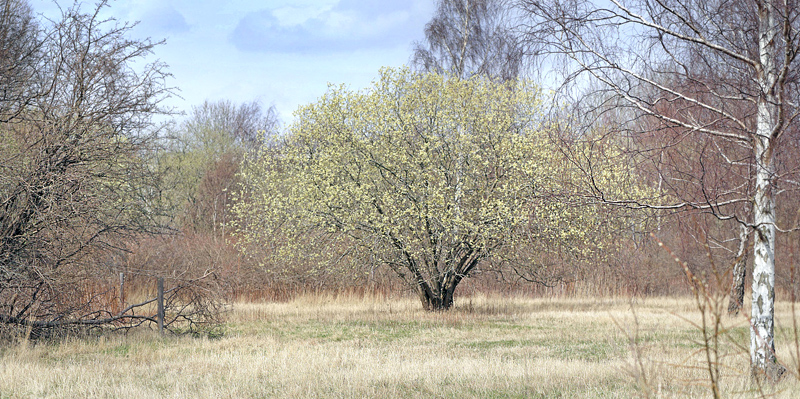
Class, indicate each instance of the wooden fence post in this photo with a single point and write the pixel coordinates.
(121, 291)
(161, 305)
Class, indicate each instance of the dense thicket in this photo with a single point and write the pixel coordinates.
(77, 178)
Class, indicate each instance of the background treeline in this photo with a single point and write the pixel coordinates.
(461, 164)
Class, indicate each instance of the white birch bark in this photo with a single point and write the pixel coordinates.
(762, 321)
(762, 346)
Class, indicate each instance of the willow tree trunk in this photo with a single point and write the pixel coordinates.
(440, 296)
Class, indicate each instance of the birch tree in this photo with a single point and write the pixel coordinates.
(470, 37)
(727, 71)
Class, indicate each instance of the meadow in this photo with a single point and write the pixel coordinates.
(328, 346)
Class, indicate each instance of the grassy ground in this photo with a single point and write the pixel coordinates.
(326, 347)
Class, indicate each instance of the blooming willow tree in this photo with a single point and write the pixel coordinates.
(429, 175)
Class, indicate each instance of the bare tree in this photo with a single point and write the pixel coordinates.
(213, 125)
(20, 51)
(470, 37)
(719, 74)
(75, 178)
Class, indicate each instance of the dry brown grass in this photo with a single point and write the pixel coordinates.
(329, 347)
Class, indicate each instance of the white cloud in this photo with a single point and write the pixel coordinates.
(346, 26)
(162, 19)
(292, 15)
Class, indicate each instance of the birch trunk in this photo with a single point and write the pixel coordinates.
(739, 273)
(762, 323)
(762, 346)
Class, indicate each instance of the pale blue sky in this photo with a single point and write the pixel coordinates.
(277, 51)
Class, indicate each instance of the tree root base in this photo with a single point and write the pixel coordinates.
(773, 373)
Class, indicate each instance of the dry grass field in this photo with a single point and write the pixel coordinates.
(350, 347)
